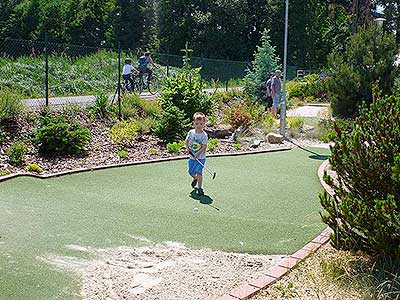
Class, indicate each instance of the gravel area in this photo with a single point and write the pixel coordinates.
(309, 111)
(168, 271)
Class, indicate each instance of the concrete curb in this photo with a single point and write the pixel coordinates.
(142, 162)
(284, 266)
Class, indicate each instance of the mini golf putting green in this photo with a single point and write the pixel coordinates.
(262, 203)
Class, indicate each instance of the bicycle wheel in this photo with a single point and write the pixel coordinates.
(153, 86)
(140, 85)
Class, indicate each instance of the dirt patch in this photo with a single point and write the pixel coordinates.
(165, 271)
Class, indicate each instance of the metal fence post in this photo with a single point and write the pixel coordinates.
(168, 62)
(202, 69)
(47, 68)
(119, 81)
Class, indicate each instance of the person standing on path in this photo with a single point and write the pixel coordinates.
(276, 87)
(269, 100)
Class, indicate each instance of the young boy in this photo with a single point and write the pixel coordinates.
(196, 144)
(127, 73)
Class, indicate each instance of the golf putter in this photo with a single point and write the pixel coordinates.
(213, 174)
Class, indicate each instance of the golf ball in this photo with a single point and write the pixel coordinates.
(241, 243)
(195, 209)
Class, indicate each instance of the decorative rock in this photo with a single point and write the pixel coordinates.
(255, 144)
(274, 138)
(308, 128)
(221, 131)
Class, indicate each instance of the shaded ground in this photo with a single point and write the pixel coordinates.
(264, 204)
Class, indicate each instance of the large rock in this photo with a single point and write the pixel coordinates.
(274, 138)
(220, 132)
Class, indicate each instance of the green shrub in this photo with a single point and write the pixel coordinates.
(185, 91)
(269, 123)
(182, 95)
(365, 210)
(101, 105)
(11, 105)
(295, 123)
(175, 147)
(132, 106)
(123, 154)
(34, 168)
(327, 131)
(3, 136)
(212, 144)
(310, 88)
(4, 172)
(367, 61)
(129, 106)
(17, 152)
(124, 132)
(237, 146)
(153, 151)
(55, 135)
(145, 125)
(172, 125)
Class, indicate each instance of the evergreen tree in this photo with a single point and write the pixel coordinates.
(265, 61)
(368, 61)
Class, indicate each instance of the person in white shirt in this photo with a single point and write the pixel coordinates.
(127, 73)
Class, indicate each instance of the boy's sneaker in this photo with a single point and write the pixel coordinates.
(200, 192)
(194, 182)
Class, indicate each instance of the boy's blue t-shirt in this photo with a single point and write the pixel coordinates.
(196, 140)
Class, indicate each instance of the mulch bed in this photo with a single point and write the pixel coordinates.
(101, 150)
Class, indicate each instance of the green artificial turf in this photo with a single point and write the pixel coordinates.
(262, 203)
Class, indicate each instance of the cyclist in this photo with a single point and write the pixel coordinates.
(143, 65)
(127, 73)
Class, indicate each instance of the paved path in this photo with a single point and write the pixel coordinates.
(309, 111)
(38, 103)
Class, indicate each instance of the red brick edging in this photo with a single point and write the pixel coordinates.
(247, 290)
(141, 162)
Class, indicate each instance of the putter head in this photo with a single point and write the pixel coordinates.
(214, 175)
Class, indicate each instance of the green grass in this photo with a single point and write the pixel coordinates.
(87, 75)
(264, 203)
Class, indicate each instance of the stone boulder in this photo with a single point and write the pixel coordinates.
(220, 132)
(274, 138)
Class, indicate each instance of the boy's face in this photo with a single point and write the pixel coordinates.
(199, 124)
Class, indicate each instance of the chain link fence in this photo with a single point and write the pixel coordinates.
(55, 74)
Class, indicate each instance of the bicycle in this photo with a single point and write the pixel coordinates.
(142, 83)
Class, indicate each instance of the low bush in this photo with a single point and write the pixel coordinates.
(2, 137)
(172, 125)
(153, 151)
(175, 147)
(269, 123)
(212, 144)
(122, 154)
(237, 146)
(132, 106)
(145, 125)
(11, 105)
(101, 105)
(34, 168)
(124, 132)
(17, 152)
(238, 117)
(55, 135)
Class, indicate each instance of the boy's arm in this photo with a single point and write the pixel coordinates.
(187, 144)
(202, 149)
